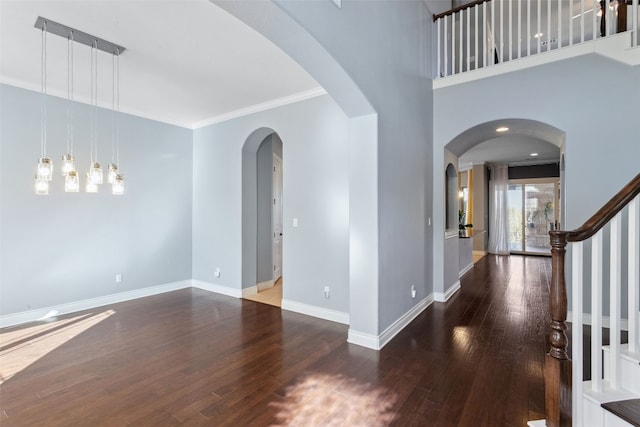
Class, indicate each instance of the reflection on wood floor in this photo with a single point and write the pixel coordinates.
(271, 296)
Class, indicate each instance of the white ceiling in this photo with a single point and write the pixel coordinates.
(187, 62)
(511, 149)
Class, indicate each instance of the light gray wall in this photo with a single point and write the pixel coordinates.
(315, 149)
(392, 69)
(555, 94)
(265, 187)
(67, 247)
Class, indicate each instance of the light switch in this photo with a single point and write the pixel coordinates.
(295, 222)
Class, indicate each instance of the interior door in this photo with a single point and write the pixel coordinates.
(276, 217)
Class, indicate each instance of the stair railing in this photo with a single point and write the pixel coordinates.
(483, 33)
(563, 396)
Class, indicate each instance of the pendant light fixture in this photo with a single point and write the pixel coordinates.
(44, 171)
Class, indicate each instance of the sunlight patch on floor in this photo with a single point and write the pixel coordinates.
(333, 400)
(21, 347)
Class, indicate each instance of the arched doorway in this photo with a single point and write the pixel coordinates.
(505, 136)
(262, 236)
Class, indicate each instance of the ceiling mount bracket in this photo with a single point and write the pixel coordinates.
(78, 36)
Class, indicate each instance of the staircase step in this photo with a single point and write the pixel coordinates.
(628, 410)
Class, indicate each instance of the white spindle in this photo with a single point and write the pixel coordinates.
(538, 33)
(510, 33)
(596, 311)
(438, 47)
(453, 44)
(571, 22)
(520, 29)
(476, 10)
(582, 20)
(595, 20)
(446, 47)
(493, 33)
(548, 25)
(577, 322)
(528, 27)
(634, 275)
(614, 301)
(635, 12)
(468, 39)
(485, 34)
(501, 47)
(461, 42)
(609, 21)
(560, 23)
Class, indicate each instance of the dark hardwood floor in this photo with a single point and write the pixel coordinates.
(195, 358)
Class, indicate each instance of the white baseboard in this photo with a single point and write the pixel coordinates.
(465, 270)
(247, 292)
(444, 296)
(363, 339)
(86, 304)
(265, 285)
(218, 289)
(377, 342)
(320, 312)
(606, 321)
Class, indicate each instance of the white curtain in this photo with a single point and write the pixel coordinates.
(498, 213)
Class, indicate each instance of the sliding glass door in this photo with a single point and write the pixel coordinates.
(532, 207)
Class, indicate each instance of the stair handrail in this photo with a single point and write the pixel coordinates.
(458, 9)
(557, 369)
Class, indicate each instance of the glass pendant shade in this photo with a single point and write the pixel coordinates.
(68, 164)
(90, 187)
(71, 182)
(113, 173)
(95, 173)
(45, 169)
(118, 185)
(42, 187)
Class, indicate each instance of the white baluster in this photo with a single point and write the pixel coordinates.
(571, 22)
(461, 15)
(519, 29)
(595, 20)
(476, 9)
(634, 275)
(576, 327)
(468, 39)
(582, 20)
(485, 34)
(528, 27)
(635, 14)
(439, 46)
(446, 47)
(493, 33)
(510, 32)
(501, 47)
(453, 44)
(596, 311)
(538, 33)
(548, 25)
(614, 301)
(609, 22)
(560, 23)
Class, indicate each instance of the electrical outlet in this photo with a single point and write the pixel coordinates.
(119, 278)
(217, 272)
(327, 292)
(413, 291)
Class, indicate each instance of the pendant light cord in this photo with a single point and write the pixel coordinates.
(113, 108)
(43, 94)
(70, 93)
(118, 107)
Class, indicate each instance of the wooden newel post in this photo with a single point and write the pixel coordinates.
(557, 366)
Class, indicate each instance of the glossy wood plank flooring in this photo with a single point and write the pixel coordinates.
(199, 359)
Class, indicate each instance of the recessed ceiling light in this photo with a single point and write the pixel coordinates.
(534, 154)
(502, 129)
(537, 35)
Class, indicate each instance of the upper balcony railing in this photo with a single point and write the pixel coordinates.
(488, 32)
